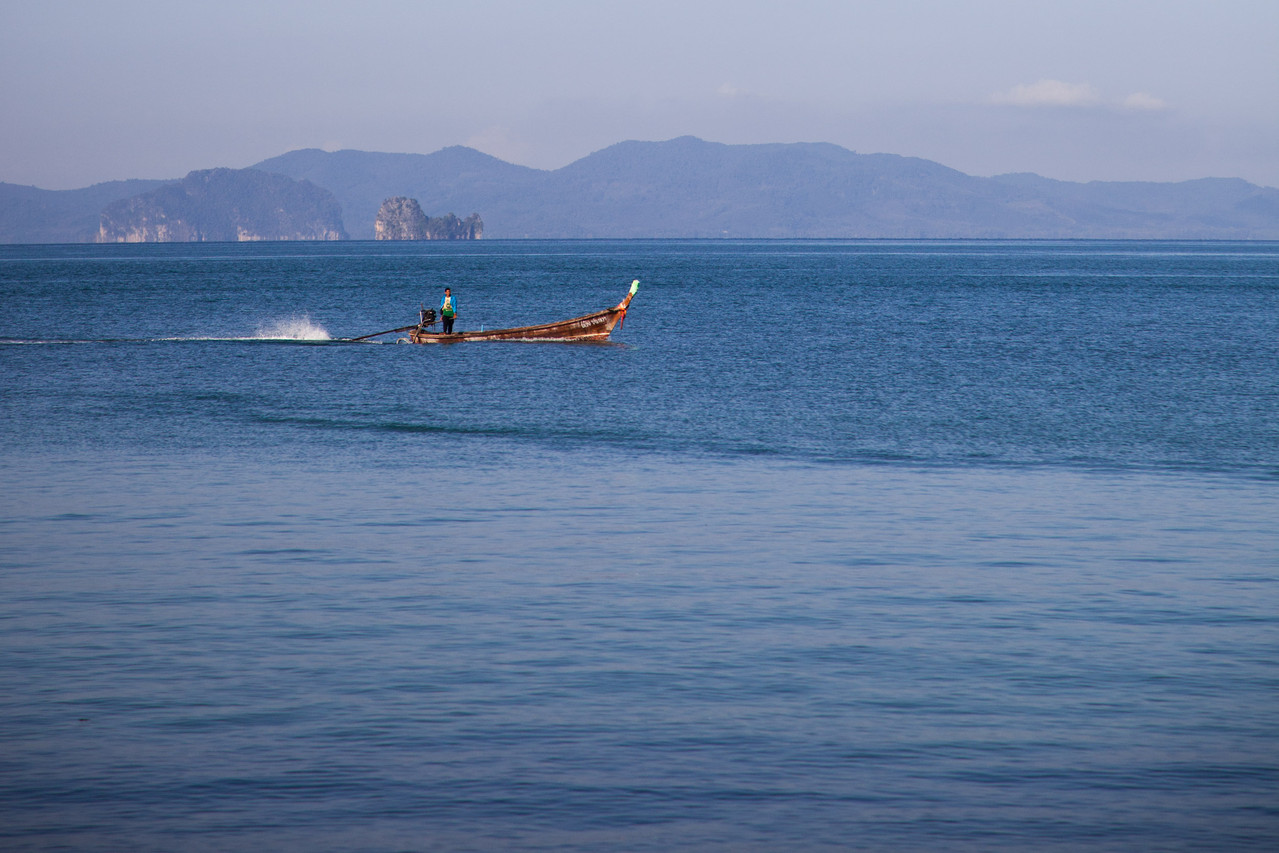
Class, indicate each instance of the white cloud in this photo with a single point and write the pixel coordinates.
(1056, 93)
(728, 90)
(1144, 101)
(1048, 93)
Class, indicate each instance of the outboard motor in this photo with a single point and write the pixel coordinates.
(428, 317)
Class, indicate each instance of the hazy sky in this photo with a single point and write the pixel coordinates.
(1074, 89)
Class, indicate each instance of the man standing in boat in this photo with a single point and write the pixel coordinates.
(448, 310)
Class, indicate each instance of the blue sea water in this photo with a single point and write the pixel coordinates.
(837, 546)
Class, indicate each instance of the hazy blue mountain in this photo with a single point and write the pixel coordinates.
(32, 215)
(690, 188)
(224, 205)
(687, 187)
(1208, 208)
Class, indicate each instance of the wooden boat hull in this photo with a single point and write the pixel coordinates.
(590, 327)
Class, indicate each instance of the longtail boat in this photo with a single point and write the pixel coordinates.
(591, 327)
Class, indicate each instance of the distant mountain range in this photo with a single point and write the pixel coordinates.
(690, 188)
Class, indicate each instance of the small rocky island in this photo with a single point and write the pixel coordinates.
(225, 205)
(401, 218)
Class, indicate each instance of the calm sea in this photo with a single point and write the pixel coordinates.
(899, 546)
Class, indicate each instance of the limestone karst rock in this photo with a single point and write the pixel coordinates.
(401, 218)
